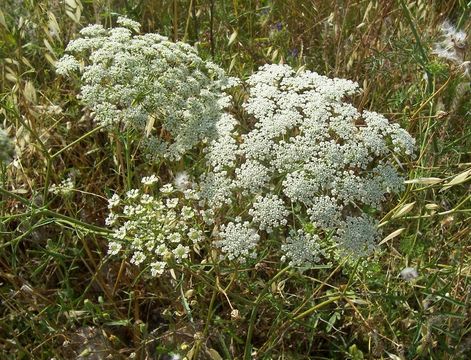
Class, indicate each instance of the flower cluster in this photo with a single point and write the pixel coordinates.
(6, 147)
(301, 248)
(162, 89)
(310, 153)
(65, 187)
(357, 236)
(154, 230)
(269, 212)
(238, 240)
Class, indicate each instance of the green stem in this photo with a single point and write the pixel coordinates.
(187, 24)
(208, 321)
(61, 218)
(248, 341)
(211, 28)
(91, 132)
(423, 55)
(127, 150)
(317, 307)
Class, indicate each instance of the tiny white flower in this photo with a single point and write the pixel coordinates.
(138, 258)
(157, 268)
(113, 201)
(172, 203)
(181, 252)
(146, 199)
(175, 237)
(195, 235)
(161, 250)
(120, 233)
(114, 248)
(167, 189)
(131, 24)
(129, 210)
(191, 194)
(111, 219)
(149, 180)
(66, 65)
(187, 213)
(132, 194)
(64, 188)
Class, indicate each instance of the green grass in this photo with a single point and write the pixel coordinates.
(58, 287)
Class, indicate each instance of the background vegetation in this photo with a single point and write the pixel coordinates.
(62, 297)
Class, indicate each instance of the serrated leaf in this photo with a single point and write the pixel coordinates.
(403, 210)
(392, 235)
(232, 38)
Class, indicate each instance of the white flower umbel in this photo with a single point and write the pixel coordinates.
(269, 211)
(302, 249)
(238, 240)
(67, 64)
(161, 89)
(310, 156)
(155, 229)
(357, 236)
(325, 212)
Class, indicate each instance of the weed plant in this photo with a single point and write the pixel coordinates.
(65, 292)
